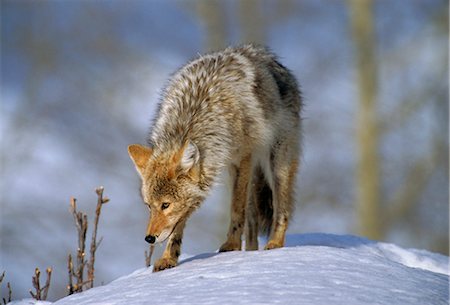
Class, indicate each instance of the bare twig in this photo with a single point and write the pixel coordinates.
(81, 222)
(36, 285)
(47, 284)
(9, 293)
(8, 285)
(148, 257)
(41, 293)
(70, 287)
(94, 245)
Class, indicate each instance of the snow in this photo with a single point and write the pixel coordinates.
(29, 302)
(311, 269)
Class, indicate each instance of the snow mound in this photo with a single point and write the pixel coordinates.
(311, 269)
(29, 302)
(413, 258)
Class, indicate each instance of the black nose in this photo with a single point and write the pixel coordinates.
(150, 239)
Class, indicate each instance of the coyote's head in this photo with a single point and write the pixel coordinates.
(171, 186)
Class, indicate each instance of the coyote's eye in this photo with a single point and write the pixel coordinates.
(164, 205)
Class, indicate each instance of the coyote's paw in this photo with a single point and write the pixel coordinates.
(164, 263)
(272, 244)
(230, 246)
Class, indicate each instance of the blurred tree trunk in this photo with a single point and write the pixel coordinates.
(367, 175)
(252, 22)
(212, 14)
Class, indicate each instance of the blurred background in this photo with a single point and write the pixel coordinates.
(80, 80)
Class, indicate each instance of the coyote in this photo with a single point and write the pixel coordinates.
(237, 109)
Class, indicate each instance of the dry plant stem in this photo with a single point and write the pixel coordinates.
(9, 294)
(94, 245)
(47, 284)
(8, 285)
(36, 285)
(41, 293)
(81, 224)
(148, 258)
(70, 287)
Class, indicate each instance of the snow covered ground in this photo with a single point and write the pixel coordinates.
(312, 269)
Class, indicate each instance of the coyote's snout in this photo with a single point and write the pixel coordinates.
(238, 109)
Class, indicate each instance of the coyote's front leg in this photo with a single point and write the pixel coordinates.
(169, 259)
(241, 178)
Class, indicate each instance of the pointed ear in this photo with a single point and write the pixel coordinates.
(190, 158)
(140, 156)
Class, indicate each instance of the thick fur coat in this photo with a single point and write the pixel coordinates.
(236, 110)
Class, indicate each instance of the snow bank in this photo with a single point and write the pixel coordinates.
(29, 302)
(312, 269)
(414, 258)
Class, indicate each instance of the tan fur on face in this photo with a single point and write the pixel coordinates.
(157, 222)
